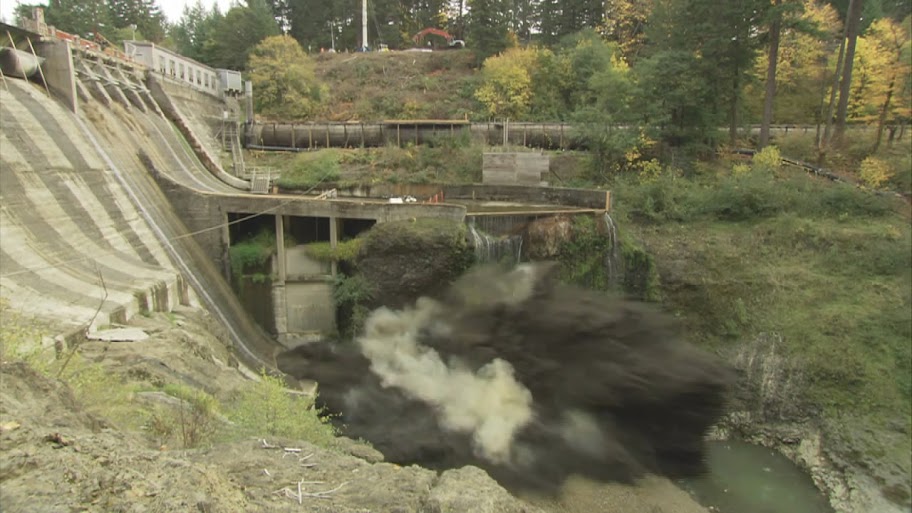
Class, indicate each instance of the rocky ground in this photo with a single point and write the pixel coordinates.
(58, 454)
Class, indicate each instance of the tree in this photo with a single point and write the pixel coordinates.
(284, 79)
(487, 27)
(506, 91)
(196, 26)
(625, 24)
(852, 27)
(236, 34)
(722, 39)
(883, 74)
(81, 17)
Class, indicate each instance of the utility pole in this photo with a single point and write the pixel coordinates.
(364, 25)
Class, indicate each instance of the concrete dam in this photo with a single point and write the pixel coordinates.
(116, 202)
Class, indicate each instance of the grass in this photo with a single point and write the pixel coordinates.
(399, 85)
(260, 408)
(453, 160)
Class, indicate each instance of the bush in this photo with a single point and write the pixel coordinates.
(252, 254)
(768, 160)
(875, 172)
(194, 420)
(345, 251)
(268, 408)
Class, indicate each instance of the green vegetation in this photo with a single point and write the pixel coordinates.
(192, 418)
(828, 267)
(283, 77)
(310, 169)
(249, 258)
(345, 250)
(456, 159)
(267, 408)
(353, 296)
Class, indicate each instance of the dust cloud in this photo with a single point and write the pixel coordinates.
(528, 378)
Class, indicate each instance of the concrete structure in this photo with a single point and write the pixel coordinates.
(174, 66)
(59, 71)
(230, 82)
(515, 168)
(71, 243)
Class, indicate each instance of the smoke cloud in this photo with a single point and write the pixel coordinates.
(528, 378)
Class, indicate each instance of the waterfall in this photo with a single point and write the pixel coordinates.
(612, 260)
(489, 248)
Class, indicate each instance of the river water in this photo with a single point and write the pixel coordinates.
(745, 478)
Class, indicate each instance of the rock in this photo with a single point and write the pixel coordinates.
(405, 260)
(119, 335)
(546, 236)
(359, 450)
(471, 489)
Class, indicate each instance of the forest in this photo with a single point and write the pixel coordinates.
(674, 70)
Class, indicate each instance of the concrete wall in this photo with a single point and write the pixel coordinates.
(583, 198)
(514, 168)
(311, 308)
(199, 138)
(201, 211)
(299, 265)
(58, 71)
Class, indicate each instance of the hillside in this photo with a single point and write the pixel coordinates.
(398, 85)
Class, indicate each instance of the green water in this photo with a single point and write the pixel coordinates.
(745, 478)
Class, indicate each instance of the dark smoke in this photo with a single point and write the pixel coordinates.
(528, 378)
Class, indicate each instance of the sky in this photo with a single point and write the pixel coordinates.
(172, 8)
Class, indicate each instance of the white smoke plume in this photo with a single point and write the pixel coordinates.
(490, 405)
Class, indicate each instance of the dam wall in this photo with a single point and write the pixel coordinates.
(71, 240)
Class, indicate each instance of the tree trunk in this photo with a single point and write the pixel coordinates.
(828, 117)
(733, 114)
(882, 119)
(852, 21)
(768, 100)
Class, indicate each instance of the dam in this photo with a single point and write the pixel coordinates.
(117, 201)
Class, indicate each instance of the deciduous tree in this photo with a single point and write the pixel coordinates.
(283, 78)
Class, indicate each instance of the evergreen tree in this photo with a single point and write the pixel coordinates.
(195, 27)
(487, 28)
(235, 35)
(81, 17)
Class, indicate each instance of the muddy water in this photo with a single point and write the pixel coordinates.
(747, 478)
(650, 495)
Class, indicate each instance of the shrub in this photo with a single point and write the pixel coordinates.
(768, 160)
(267, 407)
(875, 172)
(252, 253)
(344, 250)
(194, 419)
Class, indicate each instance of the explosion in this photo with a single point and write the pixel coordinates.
(528, 378)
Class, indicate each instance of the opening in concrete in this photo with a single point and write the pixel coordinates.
(304, 230)
(252, 247)
(351, 228)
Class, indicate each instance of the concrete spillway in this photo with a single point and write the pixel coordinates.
(81, 218)
(70, 235)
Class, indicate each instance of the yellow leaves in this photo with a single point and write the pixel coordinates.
(882, 69)
(507, 88)
(875, 172)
